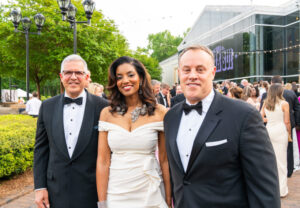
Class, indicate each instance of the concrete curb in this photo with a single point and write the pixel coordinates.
(15, 196)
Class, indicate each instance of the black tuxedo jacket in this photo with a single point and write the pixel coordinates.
(71, 182)
(160, 99)
(177, 99)
(294, 105)
(240, 173)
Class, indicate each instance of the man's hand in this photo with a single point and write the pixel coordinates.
(41, 198)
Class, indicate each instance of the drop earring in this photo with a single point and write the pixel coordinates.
(140, 89)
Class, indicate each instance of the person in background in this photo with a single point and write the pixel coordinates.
(276, 110)
(244, 83)
(96, 89)
(295, 89)
(294, 104)
(156, 88)
(225, 86)
(179, 96)
(173, 90)
(33, 105)
(263, 89)
(255, 97)
(235, 92)
(178, 90)
(288, 86)
(164, 95)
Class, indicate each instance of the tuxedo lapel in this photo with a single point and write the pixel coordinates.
(173, 135)
(210, 122)
(58, 127)
(87, 128)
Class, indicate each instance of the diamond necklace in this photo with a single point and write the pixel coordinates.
(135, 113)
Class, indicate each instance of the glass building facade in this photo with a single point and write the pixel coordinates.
(261, 42)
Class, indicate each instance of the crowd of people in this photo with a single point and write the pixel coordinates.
(219, 145)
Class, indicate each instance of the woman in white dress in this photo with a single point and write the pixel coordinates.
(128, 174)
(277, 114)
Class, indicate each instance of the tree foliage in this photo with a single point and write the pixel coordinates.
(150, 63)
(99, 44)
(162, 45)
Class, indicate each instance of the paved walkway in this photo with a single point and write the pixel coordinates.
(291, 201)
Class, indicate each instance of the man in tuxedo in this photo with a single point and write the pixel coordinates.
(294, 105)
(218, 148)
(164, 95)
(179, 96)
(173, 90)
(66, 142)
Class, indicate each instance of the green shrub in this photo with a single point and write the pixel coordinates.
(45, 98)
(17, 134)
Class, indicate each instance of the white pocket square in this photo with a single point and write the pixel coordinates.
(216, 143)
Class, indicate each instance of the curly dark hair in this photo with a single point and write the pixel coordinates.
(117, 99)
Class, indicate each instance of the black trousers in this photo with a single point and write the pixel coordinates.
(290, 158)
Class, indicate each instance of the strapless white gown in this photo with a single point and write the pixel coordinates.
(134, 176)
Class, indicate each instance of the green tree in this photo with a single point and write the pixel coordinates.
(99, 44)
(150, 63)
(163, 45)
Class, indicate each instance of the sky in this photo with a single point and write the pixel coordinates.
(136, 19)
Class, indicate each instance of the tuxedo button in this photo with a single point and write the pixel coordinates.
(186, 182)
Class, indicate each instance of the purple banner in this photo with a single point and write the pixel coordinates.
(223, 58)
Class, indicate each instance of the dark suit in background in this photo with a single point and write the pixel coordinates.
(294, 105)
(160, 99)
(177, 99)
(240, 173)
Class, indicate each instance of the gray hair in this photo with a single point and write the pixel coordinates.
(74, 57)
(154, 82)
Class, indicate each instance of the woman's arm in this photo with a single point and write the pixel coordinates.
(164, 165)
(286, 111)
(103, 163)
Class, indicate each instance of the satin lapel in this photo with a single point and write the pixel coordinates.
(58, 127)
(87, 127)
(209, 124)
(173, 135)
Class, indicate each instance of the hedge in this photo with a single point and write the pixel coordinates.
(17, 133)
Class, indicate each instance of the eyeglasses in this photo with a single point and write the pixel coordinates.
(70, 73)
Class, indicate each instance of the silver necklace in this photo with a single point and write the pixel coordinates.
(135, 113)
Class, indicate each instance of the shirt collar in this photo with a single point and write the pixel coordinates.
(206, 102)
(82, 94)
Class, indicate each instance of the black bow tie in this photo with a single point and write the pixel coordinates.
(187, 108)
(68, 100)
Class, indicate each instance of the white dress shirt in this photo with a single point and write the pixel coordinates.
(189, 127)
(73, 116)
(33, 106)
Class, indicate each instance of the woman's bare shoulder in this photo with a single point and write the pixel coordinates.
(285, 103)
(160, 110)
(105, 113)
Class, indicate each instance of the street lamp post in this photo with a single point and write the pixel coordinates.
(68, 11)
(39, 20)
